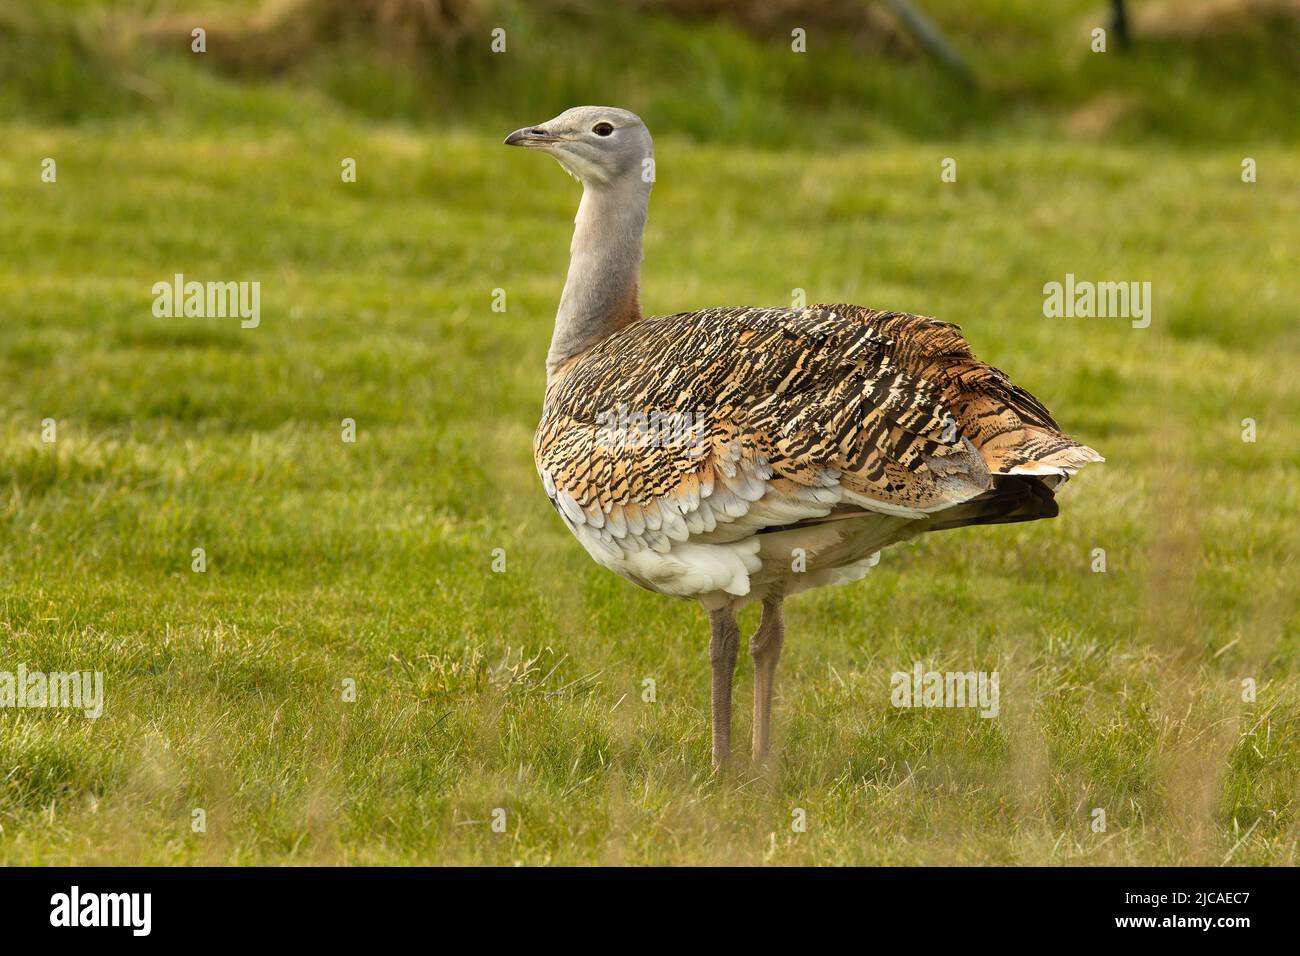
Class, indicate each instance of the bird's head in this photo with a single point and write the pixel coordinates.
(598, 145)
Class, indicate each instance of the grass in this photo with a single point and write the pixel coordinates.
(371, 561)
(91, 60)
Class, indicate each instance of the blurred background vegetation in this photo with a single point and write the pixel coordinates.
(1196, 70)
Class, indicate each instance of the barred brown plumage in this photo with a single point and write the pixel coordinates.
(826, 432)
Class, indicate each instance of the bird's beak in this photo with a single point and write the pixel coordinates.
(531, 136)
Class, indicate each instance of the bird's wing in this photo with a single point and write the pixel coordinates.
(716, 424)
(1014, 432)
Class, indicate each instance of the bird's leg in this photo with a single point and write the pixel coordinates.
(765, 646)
(724, 644)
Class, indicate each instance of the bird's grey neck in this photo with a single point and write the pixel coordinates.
(600, 295)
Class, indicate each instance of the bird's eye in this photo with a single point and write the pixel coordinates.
(602, 129)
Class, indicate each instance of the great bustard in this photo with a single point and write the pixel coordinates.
(742, 454)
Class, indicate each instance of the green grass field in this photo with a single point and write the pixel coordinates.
(371, 562)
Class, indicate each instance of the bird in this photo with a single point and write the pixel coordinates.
(740, 455)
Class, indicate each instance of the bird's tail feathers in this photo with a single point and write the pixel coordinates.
(1012, 498)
